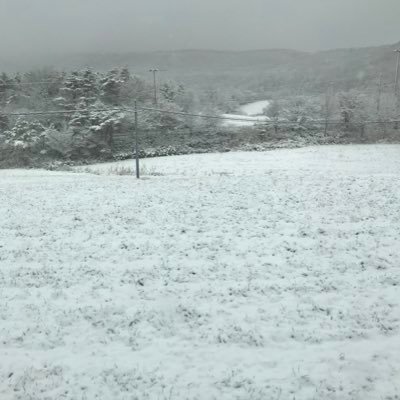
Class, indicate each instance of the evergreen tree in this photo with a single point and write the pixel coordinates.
(6, 84)
(125, 75)
(111, 88)
(90, 89)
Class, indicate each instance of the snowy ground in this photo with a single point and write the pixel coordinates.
(230, 276)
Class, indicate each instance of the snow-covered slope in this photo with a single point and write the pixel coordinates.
(230, 276)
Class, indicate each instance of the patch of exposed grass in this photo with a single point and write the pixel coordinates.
(121, 170)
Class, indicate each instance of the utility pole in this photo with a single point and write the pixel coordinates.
(328, 100)
(378, 100)
(396, 87)
(137, 142)
(154, 71)
(396, 81)
(382, 123)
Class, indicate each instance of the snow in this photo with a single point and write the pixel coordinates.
(242, 120)
(222, 276)
(255, 108)
(251, 112)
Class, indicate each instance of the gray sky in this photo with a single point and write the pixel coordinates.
(134, 25)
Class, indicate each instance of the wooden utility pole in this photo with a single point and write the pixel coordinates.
(379, 96)
(396, 81)
(137, 142)
(396, 87)
(328, 103)
(382, 124)
(154, 72)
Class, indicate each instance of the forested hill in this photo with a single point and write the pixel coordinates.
(262, 70)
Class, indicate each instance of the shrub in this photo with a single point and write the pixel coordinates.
(12, 156)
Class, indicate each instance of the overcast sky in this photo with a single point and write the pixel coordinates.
(136, 25)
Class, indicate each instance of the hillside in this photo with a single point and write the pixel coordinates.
(261, 71)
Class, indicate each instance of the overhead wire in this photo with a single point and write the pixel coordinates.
(182, 113)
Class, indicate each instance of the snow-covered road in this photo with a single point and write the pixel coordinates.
(255, 108)
(248, 114)
(224, 276)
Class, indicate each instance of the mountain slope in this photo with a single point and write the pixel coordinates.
(257, 70)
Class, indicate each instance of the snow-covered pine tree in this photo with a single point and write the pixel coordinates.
(111, 85)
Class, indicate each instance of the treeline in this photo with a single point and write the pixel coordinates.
(81, 127)
(86, 132)
(348, 111)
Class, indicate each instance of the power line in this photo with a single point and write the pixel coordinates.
(199, 115)
(205, 116)
(155, 71)
(33, 83)
(32, 113)
(16, 83)
(267, 122)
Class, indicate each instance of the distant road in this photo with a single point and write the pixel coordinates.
(253, 110)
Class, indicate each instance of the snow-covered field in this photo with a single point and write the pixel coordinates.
(226, 276)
